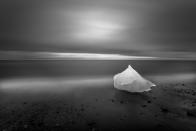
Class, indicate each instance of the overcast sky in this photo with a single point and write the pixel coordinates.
(98, 25)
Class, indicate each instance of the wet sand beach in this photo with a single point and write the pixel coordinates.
(41, 101)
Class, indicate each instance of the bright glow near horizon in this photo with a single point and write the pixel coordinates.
(91, 56)
(19, 55)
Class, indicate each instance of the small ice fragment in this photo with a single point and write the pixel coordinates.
(131, 81)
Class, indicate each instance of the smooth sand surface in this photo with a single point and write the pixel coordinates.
(97, 106)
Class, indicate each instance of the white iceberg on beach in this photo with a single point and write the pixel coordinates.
(131, 81)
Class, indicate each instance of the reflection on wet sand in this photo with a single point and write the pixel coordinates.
(53, 84)
(65, 83)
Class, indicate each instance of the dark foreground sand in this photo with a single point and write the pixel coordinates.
(170, 107)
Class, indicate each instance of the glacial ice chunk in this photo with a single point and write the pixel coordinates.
(131, 81)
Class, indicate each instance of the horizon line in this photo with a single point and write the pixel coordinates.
(35, 55)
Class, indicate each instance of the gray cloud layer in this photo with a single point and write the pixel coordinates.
(154, 25)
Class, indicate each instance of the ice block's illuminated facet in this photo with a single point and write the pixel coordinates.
(131, 81)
